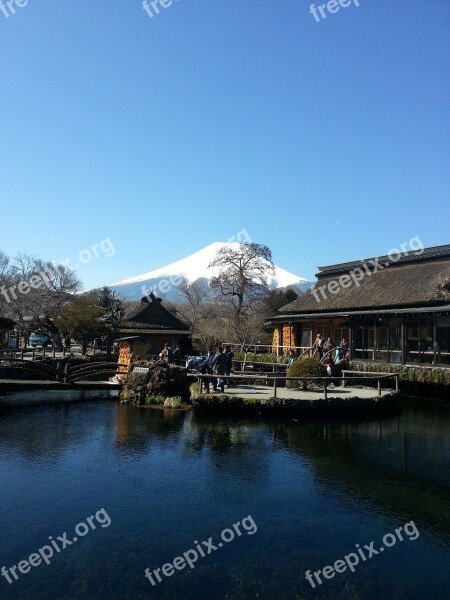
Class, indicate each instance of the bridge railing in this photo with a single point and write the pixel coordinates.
(64, 372)
(279, 381)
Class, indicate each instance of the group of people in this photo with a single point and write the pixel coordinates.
(172, 357)
(326, 347)
(218, 362)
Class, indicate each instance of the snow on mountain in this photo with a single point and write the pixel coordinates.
(193, 268)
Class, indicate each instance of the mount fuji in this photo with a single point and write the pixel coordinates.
(193, 268)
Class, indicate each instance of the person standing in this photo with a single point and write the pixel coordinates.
(229, 366)
(318, 345)
(344, 348)
(219, 367)
(67, 341)
(167, 354)
(177, 356)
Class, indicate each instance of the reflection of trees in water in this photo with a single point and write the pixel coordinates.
(139, 428)
(235, 448)
(50, 431)
(400, 464)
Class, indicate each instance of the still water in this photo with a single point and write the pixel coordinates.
(166, 481)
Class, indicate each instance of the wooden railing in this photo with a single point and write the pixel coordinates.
(326, 381)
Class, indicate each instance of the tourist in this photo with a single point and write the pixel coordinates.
(344, 348)
(67, 341)
(167, 354)
(219, 365)
(318, 345)
(328, 363)
(177, 356)
(327, 347)
(229, 366)
(204, 381)
(292, 358)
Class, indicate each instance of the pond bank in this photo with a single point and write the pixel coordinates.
(260, 399)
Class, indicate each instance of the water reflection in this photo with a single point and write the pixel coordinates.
(314, 487)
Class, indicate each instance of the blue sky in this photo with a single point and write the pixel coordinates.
(327, 141)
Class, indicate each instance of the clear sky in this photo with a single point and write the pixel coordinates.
(327, 141)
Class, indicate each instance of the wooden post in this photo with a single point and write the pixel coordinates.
(275, 387)
(59, 371)
(396, 383)
(34, 352)
(379, 388)
(325, 384)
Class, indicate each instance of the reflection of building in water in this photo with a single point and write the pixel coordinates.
(392, 309)
(397, 465)
(121, 424)
(138, 428)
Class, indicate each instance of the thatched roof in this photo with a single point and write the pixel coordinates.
(152, 316)
(414, 281)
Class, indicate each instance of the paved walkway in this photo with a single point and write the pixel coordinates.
(263, 392)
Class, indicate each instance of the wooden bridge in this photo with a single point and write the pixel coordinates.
(63, 373)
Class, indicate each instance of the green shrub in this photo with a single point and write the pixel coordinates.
(173, 402)
(155, 400)
(163, 380)
(260, 358)
(411, 373)
(303, 368)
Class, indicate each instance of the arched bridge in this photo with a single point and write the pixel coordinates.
(64, 372)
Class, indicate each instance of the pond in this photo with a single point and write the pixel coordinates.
(251, 505)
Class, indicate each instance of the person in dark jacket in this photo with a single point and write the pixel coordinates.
(219, 367)
(229, 366)
(176, 357)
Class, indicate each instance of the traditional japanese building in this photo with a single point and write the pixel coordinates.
(392, 309)
(7, 333)
(151, 326)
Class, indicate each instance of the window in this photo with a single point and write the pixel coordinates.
(412, 339)
(364, 340)
(325, 330)
(426, 346)
(443, 340)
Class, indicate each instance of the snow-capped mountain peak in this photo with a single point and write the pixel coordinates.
(193, 268)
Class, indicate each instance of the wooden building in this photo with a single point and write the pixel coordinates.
(8, 336)
(151, 326)
(392, 309)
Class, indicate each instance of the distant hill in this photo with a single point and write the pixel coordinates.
(164, 281)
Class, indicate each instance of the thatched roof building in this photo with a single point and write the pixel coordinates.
(394, 308)
(151, 325)
(7, 332)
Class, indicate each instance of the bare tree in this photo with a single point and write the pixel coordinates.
(242, 285)
(33, 291)
(196, 303)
